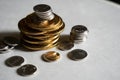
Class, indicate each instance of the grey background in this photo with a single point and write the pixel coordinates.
(103, 44)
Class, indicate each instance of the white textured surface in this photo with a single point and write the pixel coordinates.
(103, 45)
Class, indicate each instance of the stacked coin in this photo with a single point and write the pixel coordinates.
(41, 29)
(50, 56)
(78, 33)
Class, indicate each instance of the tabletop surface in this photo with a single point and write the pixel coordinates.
(102, 18)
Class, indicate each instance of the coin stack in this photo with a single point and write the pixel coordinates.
(78, 33)
(41, 29)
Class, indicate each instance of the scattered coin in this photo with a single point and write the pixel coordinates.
(65, 45)
(26, 70)
(14, 61)
(50, 56)
(78, 33)
(3, 46)
(11, 41)
(77, 54)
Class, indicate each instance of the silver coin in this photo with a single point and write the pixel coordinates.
(44, 11)
(3, 46)
(14, 61)
(78, 33)
(11, 41)
(26, 70)
(77, 54)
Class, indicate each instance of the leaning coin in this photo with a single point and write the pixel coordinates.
(14, 61)
(26, 70)
(3, 46)
(65, 45)
(11, 41)
(77, 54)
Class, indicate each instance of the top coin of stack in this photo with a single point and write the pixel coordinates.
(41, 29)
(78, 33)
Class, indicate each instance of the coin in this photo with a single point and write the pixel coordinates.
(11, 41)
(41, 29)
(14, 61)
(78, 33)
(26, 70)
(65, 45)
(77, 54)
(50, 56)
(3, 46)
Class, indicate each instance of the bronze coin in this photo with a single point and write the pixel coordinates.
(14, 61)
(65, 45)
(51, 56)
(77, 54)
(26, 70)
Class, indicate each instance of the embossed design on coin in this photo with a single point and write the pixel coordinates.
(26, 70)
(77, 54)
(14, 61)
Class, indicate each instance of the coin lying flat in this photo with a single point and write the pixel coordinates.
(11, 41)
(50, 56)
(3, 46)
(14, 61)
(26, 70)
(65, 45)
(77, 54)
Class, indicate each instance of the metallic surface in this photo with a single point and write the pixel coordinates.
(3, 46)
(78, 33)
(44, 11)
(14, 61)
(51, 56)
(38, 33)
(11, 41)
(26, 70)
(65, 45)
(77, 54)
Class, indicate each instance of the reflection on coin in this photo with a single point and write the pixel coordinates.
(79, 33)
(26, 70)
(14, 61)
(11, 41)
(65, 45)
(3, 46)
(50, 56)
(77, 54)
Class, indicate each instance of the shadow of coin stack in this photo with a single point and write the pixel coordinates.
(41, 29)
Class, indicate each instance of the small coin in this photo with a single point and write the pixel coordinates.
(65, 45)
(26, 70)
(77, 54)
(79, 29)
(11, 41)
(3, 46)
(78, 34)
(51, 56)
(14, 61)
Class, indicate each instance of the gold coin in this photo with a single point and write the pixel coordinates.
(51, 56)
